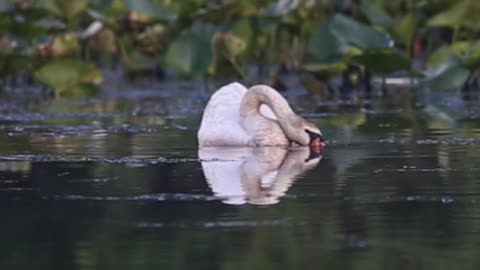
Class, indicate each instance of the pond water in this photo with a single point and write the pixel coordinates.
(117, 182)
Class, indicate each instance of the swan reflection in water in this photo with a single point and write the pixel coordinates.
(259, 175)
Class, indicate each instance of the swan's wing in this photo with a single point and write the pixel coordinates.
(221, 118)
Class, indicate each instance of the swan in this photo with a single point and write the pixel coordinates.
(259, 116)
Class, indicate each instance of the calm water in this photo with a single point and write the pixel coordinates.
(118, 183)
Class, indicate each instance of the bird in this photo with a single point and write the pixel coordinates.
(258, 116)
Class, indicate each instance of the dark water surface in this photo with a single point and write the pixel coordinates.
(118, 183)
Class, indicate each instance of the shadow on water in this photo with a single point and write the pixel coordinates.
(118, 183)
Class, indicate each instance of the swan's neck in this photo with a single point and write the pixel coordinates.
(263, 94)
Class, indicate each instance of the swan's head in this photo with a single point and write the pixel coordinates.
(307, 134)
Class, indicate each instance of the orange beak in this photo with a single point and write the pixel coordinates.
(317, 144)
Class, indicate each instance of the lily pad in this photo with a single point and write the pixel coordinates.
(382, 61)
(349, 31)
(462, 13)
(324, 45)
(452, 77)
(406, 28)
(68, 74)
(376, 15)
(191, 54)
(66, 9)
(445, 53)
(5, 6)
(150, 9)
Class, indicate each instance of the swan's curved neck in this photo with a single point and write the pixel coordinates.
(263, 94)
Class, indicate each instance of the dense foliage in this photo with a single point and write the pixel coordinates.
(65, 45)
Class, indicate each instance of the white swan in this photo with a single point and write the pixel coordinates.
(259, 116)
(261, 176)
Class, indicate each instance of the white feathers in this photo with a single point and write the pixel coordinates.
(221, 118)
(221, 123)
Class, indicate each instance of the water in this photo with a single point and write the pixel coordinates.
(118, 183)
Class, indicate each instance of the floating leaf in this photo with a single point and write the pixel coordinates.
(68, 74)
(326, 70)
(382, 61)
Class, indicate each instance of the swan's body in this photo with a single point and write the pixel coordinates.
(260, 116)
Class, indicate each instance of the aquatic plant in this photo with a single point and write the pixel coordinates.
(434, 41)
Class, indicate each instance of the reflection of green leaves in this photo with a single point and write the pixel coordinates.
(69, 75)
(190, 54)
(351, 120)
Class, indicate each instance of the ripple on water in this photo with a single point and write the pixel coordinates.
(133, 161)
(158, 197)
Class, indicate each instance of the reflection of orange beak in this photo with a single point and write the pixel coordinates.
(317, 145)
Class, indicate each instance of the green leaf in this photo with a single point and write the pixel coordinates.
(382, 61)
(65, 44)
(463, 13)
(326, 70)
(406, 28)
(227, 60)
(153, 10)
(451, 77)
(376, 15)
(82, 90)
(65, 75)
(66, 9)
(5, 6)
(472, 56)
(445, 53)
(350, 32)
(323, 44)
(191, 54)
